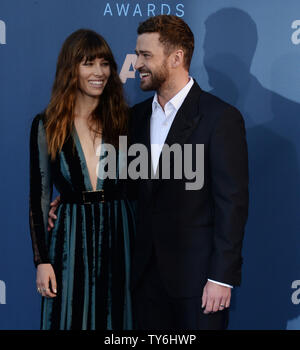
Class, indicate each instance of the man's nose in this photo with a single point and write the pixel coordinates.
(138, 63)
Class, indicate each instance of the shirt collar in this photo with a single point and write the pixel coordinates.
(178, 99)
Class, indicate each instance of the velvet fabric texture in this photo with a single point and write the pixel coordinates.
(89, 247)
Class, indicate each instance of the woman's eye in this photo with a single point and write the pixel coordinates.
(88, 63)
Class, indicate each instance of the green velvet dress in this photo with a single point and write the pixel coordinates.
(89, 247)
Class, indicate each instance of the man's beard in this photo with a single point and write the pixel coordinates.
(157, 79)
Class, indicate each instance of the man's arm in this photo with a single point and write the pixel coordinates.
(229, 171)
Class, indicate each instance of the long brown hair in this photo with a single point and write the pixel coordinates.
(110, 116)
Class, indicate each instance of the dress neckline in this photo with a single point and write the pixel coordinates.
(84, 166)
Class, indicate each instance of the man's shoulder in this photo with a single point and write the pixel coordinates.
(207, 102)
(142, 105)
(213, 105)
(140, 111)
(213, 100)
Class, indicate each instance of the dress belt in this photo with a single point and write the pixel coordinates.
(89, 197)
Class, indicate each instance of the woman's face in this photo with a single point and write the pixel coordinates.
(93, 76)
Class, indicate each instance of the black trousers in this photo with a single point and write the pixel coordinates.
(154, 309)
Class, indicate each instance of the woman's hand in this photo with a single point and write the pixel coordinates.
(44, 275)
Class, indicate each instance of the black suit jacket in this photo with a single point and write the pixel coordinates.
(195, 234)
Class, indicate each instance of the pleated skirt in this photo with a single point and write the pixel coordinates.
(90, 250)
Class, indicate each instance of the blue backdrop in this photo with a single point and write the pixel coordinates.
(247, 52)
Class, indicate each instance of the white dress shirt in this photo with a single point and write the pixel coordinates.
(160, 124)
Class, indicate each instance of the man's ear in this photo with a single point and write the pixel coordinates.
(177, 58)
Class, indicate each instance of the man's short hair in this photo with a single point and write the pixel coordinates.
(173, 33)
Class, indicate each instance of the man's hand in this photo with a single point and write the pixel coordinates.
(215, 297)
(51, 215)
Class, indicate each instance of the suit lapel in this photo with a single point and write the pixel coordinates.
(144, 136)
(186, 118)
(144, 129)
(185, 121)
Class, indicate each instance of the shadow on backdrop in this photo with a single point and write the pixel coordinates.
(271, 246)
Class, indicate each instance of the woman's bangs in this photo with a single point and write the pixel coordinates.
(95, 49)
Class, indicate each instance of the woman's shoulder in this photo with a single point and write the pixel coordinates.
(38, 124)
(39, 117)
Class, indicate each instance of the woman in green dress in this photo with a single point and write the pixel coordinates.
(83, 263)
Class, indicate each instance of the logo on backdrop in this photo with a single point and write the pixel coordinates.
(296, 34)
(2, 292)
(296, 294)
(128, 9)
(128, 71)
(2, 33)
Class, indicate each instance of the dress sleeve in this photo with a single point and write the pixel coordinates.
(40, 190)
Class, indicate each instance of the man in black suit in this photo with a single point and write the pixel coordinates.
(187, 253)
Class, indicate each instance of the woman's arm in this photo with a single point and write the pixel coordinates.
(40, 190)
